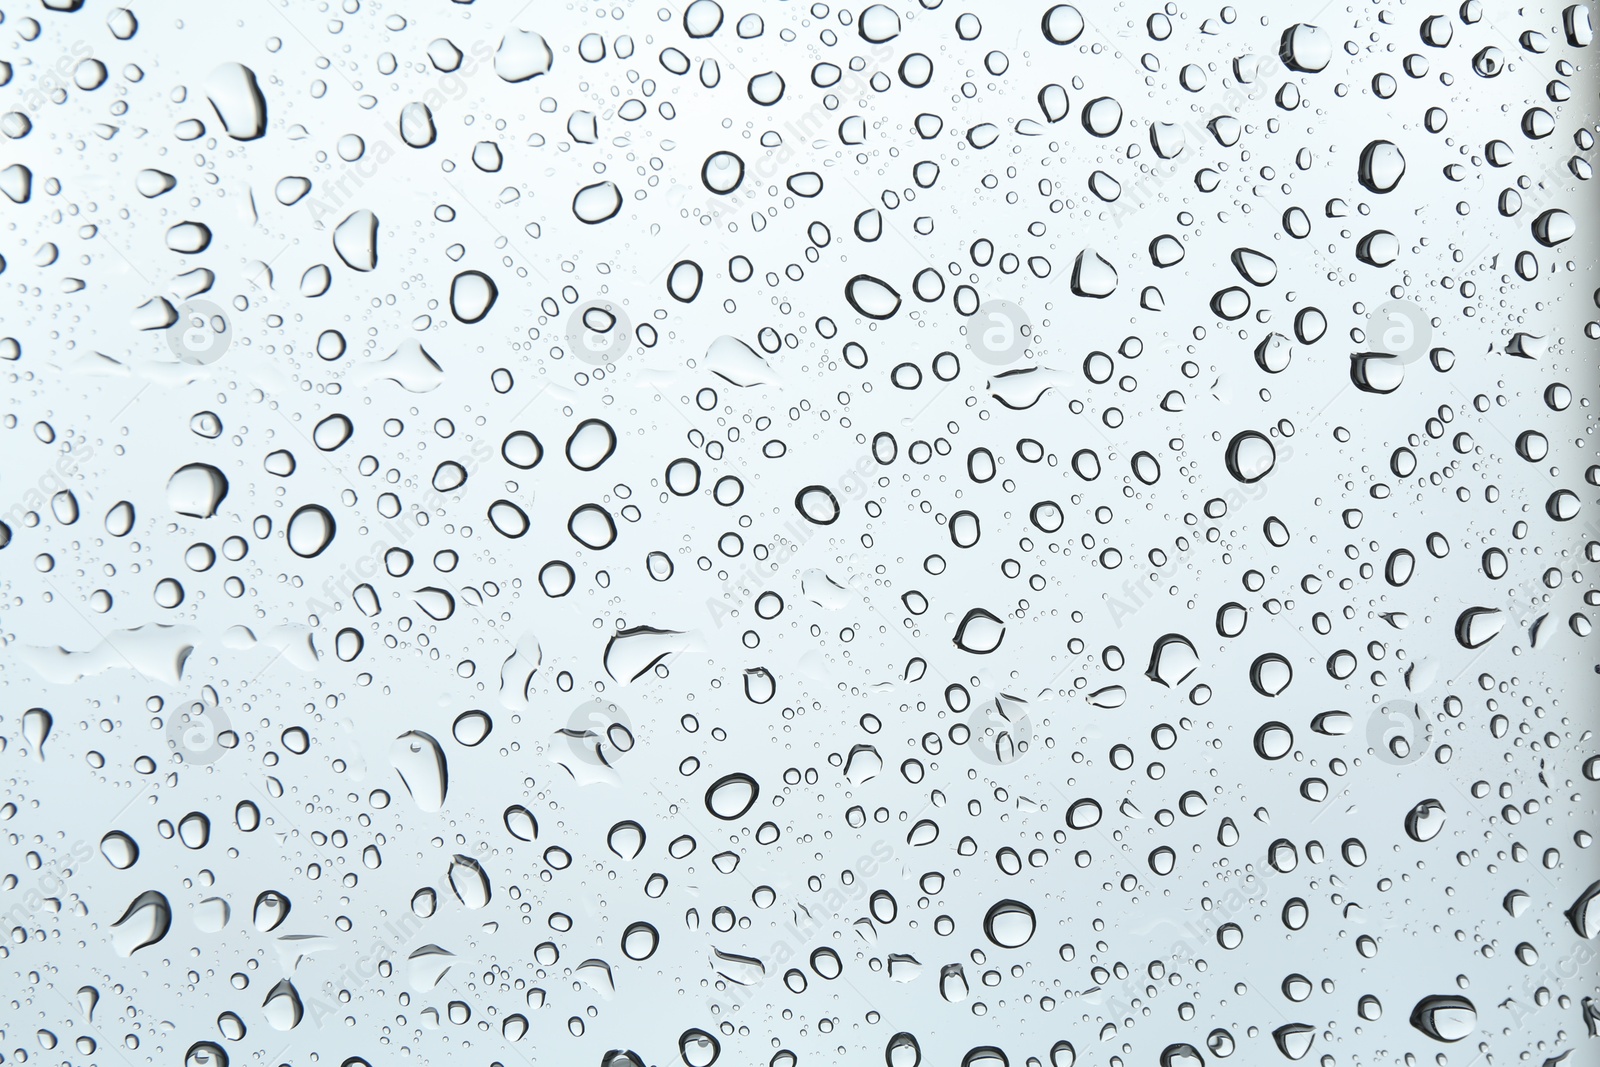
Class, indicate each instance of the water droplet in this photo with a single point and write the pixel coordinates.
(1250, 456)
(144, 923)
(472, 294)
(730, 796)
(417, 128)
(979, 632)
(311, 530)
(1009, 924)
(872, 297)
(818, 504)
(1092, 276)
(522, 54)
(596, 203)
(420, 762)
(1062, 24)
(356, 240)
(236, 96)
(1172, 659)
(196, 490)
(1270, 674)
(469, 882)
(1382, 166)
(1445, 1017)
(1425, 820)
(1476, 627)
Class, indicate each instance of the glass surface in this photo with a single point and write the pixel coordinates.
(998, 535)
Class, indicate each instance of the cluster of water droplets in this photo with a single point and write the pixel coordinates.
(1028, 534)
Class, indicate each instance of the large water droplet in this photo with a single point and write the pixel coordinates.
(591, 444)
(1181, 1055)
(1271, 674)
(508, 518)
(36, 724)
(196, 490)
(732, 795)
(639, 941)
(145, 922)
(236, 96)
(1084, 813)
(979, 632)
(871, 297)
(1250, 456)
(311, 529)
(469, 882)
(1445, 1017)
(472, 294)
(903, 1051)
(1009, 924)
(521, 824)
(1172, 659)
(1382, 166)
(737, 363)
(356, 240)
(189, 237)
(205, 1054)
(420, 762)
(1093, 276)
(283, 1007)
(1273, 740)
(818, 504)
(592, 527)
(631, 653)
(1258, 269)
(698, 1048)
(1102, 116)
(1294, 1039)
(702, 18)
(270, 910)
(626, 839)
(1584, 915)
(1424, 821)
(522, 54)
(766, 89)
(119, 849)
(1476, 627)
(596, 203)
(1554, 227)
(417, 128)
(1306, 48)
(1062, 24)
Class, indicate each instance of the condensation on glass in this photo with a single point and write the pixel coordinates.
(1000, 535)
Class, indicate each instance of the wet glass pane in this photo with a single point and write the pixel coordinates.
(988, 535)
